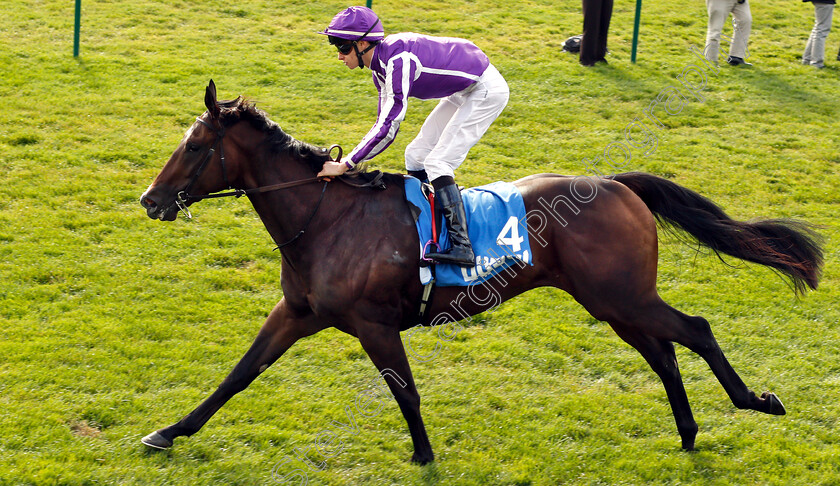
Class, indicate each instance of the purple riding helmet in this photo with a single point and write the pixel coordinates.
(352, 25)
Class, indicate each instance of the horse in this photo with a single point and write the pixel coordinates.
(350, 259)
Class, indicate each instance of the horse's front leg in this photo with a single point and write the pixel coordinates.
(385, 348)
(283, 328)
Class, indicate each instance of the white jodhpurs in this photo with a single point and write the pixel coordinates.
(456, 124)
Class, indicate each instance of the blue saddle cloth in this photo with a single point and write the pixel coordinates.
(496, 224)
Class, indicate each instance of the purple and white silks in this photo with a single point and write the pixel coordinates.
(419, 66)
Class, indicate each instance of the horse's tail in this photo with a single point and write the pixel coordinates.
(791, 247)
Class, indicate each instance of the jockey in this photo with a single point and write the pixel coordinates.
(472, 94)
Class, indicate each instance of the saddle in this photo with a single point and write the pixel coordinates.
(496, 224)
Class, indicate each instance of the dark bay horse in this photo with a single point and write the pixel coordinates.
(352, 262)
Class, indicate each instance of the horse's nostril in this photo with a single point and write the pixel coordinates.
(147, 203)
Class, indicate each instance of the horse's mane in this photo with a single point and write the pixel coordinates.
(277, 141)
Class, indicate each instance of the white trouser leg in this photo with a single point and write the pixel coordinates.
(718, 13)
(809, 47)
(456, 125)
(742, 18)
(815, 48)
(429, 135)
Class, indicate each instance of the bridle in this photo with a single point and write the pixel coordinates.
(183, 198)
(184, 195)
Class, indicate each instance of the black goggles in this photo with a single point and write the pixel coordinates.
(345, 48)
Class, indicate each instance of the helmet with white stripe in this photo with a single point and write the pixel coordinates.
(356, 24)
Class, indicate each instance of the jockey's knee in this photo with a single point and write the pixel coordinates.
(415, 157)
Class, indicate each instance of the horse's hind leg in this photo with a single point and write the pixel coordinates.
(695, 333)
(661, 357)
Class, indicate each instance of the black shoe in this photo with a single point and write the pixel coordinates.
(460, 251)
(737, 61)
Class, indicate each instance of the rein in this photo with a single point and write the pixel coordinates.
(185, 197)
(311, 217)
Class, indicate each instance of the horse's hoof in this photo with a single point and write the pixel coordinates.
(774, 405)
(156, 441)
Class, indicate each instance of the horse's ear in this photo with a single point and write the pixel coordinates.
(210, 100)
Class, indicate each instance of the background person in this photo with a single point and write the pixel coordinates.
(456, 71)
(814, 54)
(596, 23)
(719, 11)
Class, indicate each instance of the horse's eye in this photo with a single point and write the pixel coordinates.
(191, 147)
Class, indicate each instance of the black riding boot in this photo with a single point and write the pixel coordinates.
(460, 251)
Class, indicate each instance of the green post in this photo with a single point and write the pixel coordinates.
(78, 26)
(369, 3)
(636, 31)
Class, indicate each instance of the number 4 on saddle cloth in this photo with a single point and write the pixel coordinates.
(496, 224)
